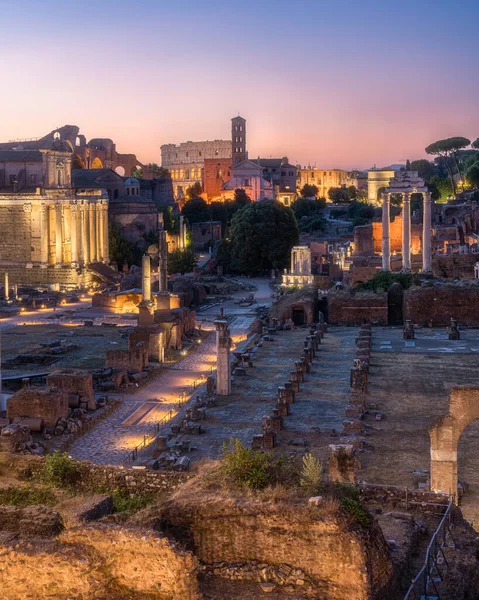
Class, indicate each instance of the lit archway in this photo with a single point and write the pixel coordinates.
(96, 164)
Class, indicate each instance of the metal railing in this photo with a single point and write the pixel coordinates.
(148, 438)
(424, 585)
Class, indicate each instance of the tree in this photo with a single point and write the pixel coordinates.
(241, 197)
(78, 162)
(360, 211)
(121, 250)
(181, 261)
(425, 169)
(472, 175)
(196, 210)
(448, 149)
(339, 195)
(194, 191)
(137, 173)
(475, 144)
(440, 188)
(305, 207)
(262, 235)
(309, 191)
(157, 171)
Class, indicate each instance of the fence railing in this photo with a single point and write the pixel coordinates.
(194, 385)
(148, 438)
(424, 585)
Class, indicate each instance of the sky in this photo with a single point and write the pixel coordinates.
(332, 83)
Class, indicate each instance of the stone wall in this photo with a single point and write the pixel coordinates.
(79, 385)
(102, 562)
(133, 360)
(45, 404)
(347, 307)
(440, 303)
(338, 562)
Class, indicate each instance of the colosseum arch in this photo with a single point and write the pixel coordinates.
(445, 433)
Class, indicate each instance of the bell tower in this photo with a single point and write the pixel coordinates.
(238, 139)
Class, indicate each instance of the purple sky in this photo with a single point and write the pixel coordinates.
(335, 83)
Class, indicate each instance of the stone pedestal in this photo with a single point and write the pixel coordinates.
(342, 464)
(453, 331)
(408, 330)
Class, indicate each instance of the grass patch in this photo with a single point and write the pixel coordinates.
(129, 504)
(21, 497)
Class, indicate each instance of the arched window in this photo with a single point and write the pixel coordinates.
(115, 194)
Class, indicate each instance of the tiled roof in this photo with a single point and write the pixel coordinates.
(20, 156)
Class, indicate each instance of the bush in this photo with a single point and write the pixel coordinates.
(129, 504)
(246, 467)
(312, 472)
(383, 280)
(357, 511)
(19, 496)
(61, 470)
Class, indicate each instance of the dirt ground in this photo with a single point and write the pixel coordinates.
(411, 387)
(93, 343)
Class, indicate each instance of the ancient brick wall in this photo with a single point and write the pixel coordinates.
(441, 303)
(133, 360)
(454, 266)
(338, 562)
(101, 561)
(73, 383)
(347, 307)
(44, 404)
(15, 241)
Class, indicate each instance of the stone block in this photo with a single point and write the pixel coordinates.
(47, 404)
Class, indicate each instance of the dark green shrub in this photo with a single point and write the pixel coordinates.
(357, 511)
(61, 470)
(246, 467)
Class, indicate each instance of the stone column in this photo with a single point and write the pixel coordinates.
(85, 242)
(6, 293)
(426, 233)
(92, 232)
(146, 278)
(106, 248)
(44, 236)
(223, 359)
(101, 232)
(74, 234)
(58, 235)
(66, 246)
(182, 232)
(406, 233)
(98, 232)
(386, 263)
(293, 260)
(163, 262)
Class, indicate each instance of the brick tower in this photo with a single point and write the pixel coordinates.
(238, 139)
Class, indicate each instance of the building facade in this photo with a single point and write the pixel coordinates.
(324, 179)
(187, 161)
(50, 234)
(216, 173)
(248, 175)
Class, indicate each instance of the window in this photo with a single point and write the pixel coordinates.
(241, 139)
(187, 154)
(283, 173)
(241, 149)
(291, 173)
(216, 152)
(312, 174)
(325, 173)
(115, 194)
(127, 191)
(200, 152)
(246, 183)
(241, 128)
(330, 173)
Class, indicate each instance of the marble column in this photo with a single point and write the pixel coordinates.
(74, 233)
(146, 278)
(92, 232)
(58, 235)
(85, 224)
(293, 260)
(386, 262)
(98, 246)
(426, 233)
(7, 288)
(101, 232)
(106, 247)
(406, 233)
(44, 236)
(66, 246)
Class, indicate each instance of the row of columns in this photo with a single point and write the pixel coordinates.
(406, 232)
(73, 233)
(300, 260)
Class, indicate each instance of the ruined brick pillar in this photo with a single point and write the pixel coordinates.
(146, 306)
(223, 358)
(359, 380)
(342, 464)
(289, 391)
(453, 331)
(295, 380)
(300, 371)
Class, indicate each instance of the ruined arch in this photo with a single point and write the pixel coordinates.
(445, 433)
